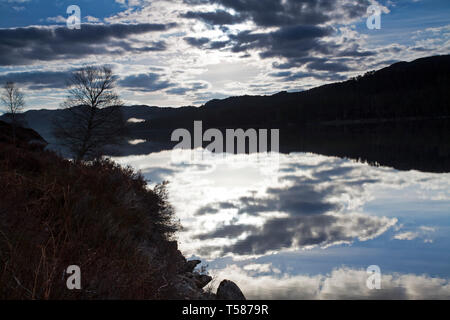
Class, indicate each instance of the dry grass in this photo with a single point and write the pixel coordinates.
(99, 216)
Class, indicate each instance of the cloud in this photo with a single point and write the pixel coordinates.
(422, 232)
(315, 35)
(189, 88)
(91, 19)
(130, 3)
(328, 66)
(293, 76)
(196, 42)
(341, 283)
(57, 19)
(289, 42)
(21, 46)
(272, 13)
(288, 34)
(406, 235)
(308, 231)
(37, 80)
(310, 219)
(146, 82)
(218, 17)
(230, 231)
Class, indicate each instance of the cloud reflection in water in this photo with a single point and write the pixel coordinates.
(245, 207)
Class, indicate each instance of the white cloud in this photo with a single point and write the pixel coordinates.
(341, 283)
(406, 236)
(424, 232)
(57, 19)
(91, 19)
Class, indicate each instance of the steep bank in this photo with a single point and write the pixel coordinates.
(99, 216)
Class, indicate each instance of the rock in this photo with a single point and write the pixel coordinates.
(228, 290)
(190, 265)
(187, 289)
(201, 280)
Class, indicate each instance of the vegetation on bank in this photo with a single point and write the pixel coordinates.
(102, 217)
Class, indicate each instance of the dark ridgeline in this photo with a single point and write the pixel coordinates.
(398, 116)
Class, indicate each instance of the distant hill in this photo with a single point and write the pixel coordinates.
(417, 89)
(20, 135)
(396, 116)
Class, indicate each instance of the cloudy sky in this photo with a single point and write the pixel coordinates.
(186, 52)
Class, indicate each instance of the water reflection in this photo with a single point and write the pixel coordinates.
(309, 220)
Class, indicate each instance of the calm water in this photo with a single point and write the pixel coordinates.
(307, 226)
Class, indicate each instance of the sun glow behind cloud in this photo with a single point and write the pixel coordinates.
(214, 49)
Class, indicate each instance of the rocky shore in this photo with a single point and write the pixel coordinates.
(189, 284)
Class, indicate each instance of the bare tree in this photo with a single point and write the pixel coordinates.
(91, 116)
(13, 100)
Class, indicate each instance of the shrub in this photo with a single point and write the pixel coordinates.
(98, 215)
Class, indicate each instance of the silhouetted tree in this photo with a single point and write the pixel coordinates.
(92, 116)
(13, 101)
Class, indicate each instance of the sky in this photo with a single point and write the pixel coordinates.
(186, 52)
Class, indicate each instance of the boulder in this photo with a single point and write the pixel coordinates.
(201, 280)
(228, 290)
(190, 265)
(187, 289)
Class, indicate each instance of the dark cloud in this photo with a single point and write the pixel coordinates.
(293, 76)
(293, 42)
(229, 231)
(281, 74)
(178, 91)
(284, 66)
(193, 87)
(36, 80)
(218, 17)
(303, 30)
(196, 42)
(355, 53)
(303, 231)
(311, 218)
(297, 231)
(299, 199)
(273, 13)
(212, 209)
(217, 44)
(20, 46)
(288, 42)
(206, 43)
(208, 209)
(146, 82)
